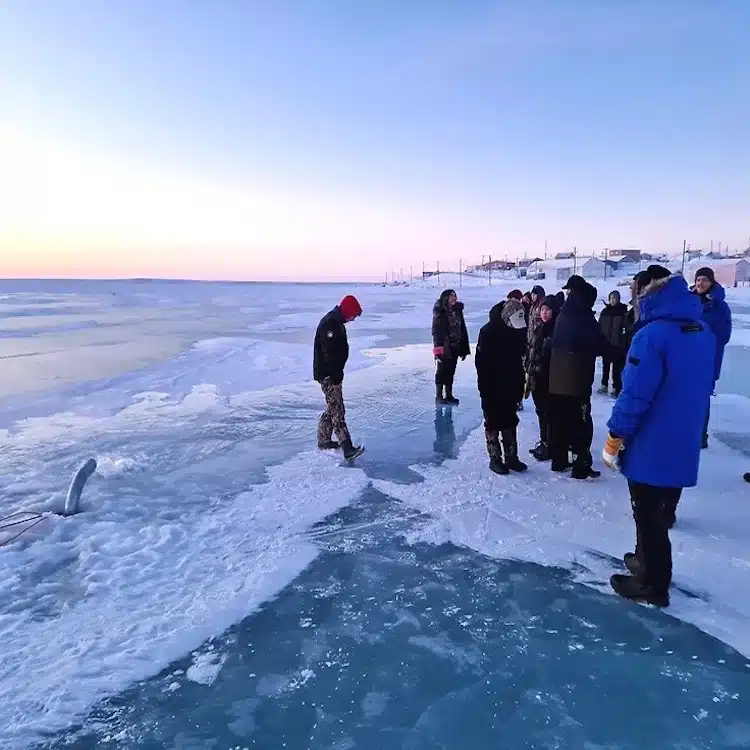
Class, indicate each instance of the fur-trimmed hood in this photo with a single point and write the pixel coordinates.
(669, 299)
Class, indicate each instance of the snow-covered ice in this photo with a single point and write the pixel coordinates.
(228, 586)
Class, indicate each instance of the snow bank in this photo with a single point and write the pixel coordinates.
(144, 586)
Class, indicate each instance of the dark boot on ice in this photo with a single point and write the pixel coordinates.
(439, 398)
(632, 587)
(328, 445)
(582, 469)
(633, 564)
(351, 451)
(510, 447)
(540, 451)
(449, 397)
(495, 452)
(561, 465)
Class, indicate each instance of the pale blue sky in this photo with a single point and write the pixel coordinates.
(354, 136)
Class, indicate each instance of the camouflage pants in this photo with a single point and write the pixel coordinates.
(333, 419)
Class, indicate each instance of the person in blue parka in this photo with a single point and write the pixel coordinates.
(657, 422)
(718, 316)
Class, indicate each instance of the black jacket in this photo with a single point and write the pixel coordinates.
(331, 348)
(499, 361)
(441, 328)
(576, 343)
(540, 351)
(613, 324)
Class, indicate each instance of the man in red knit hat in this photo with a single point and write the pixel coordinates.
(330, 354)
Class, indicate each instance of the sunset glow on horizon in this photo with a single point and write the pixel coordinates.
(385, 140)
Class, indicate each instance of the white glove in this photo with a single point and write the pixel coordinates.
(611, 453)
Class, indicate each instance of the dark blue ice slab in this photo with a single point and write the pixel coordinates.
(385, 644)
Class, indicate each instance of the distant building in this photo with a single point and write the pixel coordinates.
(592, 268)
(622, 263)
(559, 269)
(523, 264)
(567, 255)
(631, 254)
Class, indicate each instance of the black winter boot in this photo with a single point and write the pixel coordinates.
(328, 445)
(351, 451)
(632, 587)
(495, 452)
(439, 398)
(449, 397)
(510, 447)
(541, 451)
(633, 564)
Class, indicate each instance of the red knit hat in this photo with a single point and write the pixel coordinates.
(350, 307)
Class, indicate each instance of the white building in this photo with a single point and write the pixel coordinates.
(552, 270)
(592, 268)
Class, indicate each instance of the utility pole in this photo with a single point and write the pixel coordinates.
(545, 249)
(438, 272)
(575, 259)
(684, 250)
(490, 271)
(460, 272)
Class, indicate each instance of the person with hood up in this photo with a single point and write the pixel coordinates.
(576, 343)
(718, 317)
(537, 370)
(537, 299)
(330, 355)
(613, 322)
(500, 378)
(657, 422)
(450, 341)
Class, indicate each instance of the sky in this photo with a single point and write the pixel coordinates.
(331, 139)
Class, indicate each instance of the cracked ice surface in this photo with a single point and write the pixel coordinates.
(227, 587)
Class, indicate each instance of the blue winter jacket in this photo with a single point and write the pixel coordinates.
(718, 316)
(667, 384)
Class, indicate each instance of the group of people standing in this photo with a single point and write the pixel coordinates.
(664, 356)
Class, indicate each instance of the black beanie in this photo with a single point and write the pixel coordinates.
(707, 272)
(652, 273)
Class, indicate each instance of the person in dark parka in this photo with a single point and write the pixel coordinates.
(656, 424)
(500, 378)
(450, 341)
(718, 317)
(330, 355)
(537, 299)
(537, 372)
(613, 322)
(576, 343)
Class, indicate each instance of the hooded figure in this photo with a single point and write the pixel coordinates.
(537, 370)
(576, 343)
(537, 298)
(656, 424)
(330, 355)
(500, 378)
(450, 341)
(613, 323)
(718, 317)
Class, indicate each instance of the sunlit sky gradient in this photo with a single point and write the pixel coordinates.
(343, 139)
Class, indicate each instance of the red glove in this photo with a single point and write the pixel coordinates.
(439, 351)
